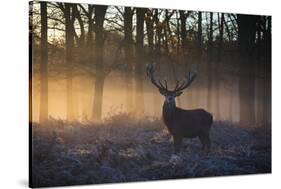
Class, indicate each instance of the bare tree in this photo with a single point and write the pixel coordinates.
(210, 62)
(69, 44)
(199, 50)
(246, 41)
(44, 64)
(218, 63)
(183, 33)
(128, 30)
(267, 71)
(100, 12)
(139, 62)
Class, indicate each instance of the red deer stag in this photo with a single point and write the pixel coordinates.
(182, 123)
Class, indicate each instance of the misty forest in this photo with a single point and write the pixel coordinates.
(97, 75)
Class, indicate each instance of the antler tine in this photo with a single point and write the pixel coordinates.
(177, 85)
(181, 84)
(190, 77)
(166, 85)
(150, 73)
(161, 84)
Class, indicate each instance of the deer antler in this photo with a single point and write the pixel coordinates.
(189, 79)
(150, 70)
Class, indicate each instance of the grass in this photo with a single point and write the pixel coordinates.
(122, 149)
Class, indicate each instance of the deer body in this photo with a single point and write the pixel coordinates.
(187, 124)
(182, 123)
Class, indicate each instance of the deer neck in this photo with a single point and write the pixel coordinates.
(169, 111)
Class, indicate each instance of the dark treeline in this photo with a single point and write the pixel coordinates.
(84, 44)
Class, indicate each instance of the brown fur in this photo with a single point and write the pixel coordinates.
(187, 124)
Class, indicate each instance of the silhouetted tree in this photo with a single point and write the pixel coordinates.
(246, 41)
(100, 12)
(86, 52)
(183, 33)
(267, 71)
(218, 63)
(156, 56)
(139, 62)
(150, 31)
(210, 62)
(44, 64)
(128, 39)
(69, 45)
(199, 37)
(199, 51)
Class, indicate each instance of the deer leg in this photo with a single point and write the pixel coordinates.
(177, 144)
(205, 141)
(208, 141)
(202, 143)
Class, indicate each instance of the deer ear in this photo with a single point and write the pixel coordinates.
(179, 93)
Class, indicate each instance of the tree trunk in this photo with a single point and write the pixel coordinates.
(210, 63)
(81, 85)
(44, 64)
(218, 64)
(183, 34)
(158, 35)
(128, 30)
(152, 54)
(69, 60)
(90, 29)
(267, 74)
(230, 107)
(75, 91)
(246, 42)
(100, 12)
(31, 59)
(89, 55)
(260, 115)
(150, 32)
(139, 66)
(199, 52)
(157, 59)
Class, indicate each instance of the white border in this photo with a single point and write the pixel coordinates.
(14, 92)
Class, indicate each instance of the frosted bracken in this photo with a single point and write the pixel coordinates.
(120, 149)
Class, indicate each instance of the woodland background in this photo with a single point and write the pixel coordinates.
(88, 61)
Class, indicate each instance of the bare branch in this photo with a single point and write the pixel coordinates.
(61, 7)
(118, 9)
(83, 9)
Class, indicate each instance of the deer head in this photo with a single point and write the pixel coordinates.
(169, 95)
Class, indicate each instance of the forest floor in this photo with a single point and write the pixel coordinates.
(122, 149)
